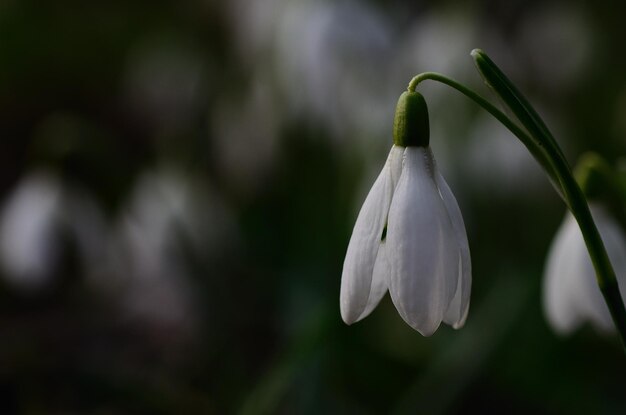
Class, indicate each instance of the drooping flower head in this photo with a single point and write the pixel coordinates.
(409, 237)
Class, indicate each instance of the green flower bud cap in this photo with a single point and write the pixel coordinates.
(410, 124)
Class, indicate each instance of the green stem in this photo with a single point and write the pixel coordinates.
(605, 274)
(575, 199)
(600, 181)
(495, 79)
(546, 151)
(535, 150)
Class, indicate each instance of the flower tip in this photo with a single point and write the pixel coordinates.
(562, 328)
(427, 331)
(459, 325)
(347, 321)
(481, 60)
(477, 52)
(348, 315)
(425, 328)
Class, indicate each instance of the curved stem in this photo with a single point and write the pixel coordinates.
(536, 150)
(577, 203)
(598, 180)
(519, 105)
(546, 151)
(605, 274)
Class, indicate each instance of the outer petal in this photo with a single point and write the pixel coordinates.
(380, 277)
(380, 281)
(457, 312)
(30, 218)
(615, 241)
(571, 294)
(362, 253)
(421, 246)
(562, 277)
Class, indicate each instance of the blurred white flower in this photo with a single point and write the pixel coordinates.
(35, 219)
(571, 294)
(330, 60)
(324, 62)
(27, 230)
(423, 257)
(169, 217)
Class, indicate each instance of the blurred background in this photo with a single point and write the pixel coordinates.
(179, 182)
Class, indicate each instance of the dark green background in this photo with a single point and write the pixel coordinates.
(266, 335)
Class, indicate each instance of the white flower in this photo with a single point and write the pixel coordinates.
(571, 294)
(36, 217)
(422, 258)
(29, 222)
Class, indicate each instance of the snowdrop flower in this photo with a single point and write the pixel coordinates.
(409, 237)
(28, 227)
(571, 294)
(169, 216)
(35, 218)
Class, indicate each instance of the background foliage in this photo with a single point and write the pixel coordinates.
(179, 181)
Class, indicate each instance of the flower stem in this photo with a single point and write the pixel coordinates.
(600, 181)
(544, 148)
(535, 150)
(605, 274)
(575, 199)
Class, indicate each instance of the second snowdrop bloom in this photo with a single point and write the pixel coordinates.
(409, 237)
(571, 294)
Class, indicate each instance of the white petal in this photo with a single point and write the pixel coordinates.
(421, 246)
(615, 241)
(30, 219)
(380, 274)
(395, 163)
(358, 266)
(457, 312)
(380, 281)
(562, 277)
(571, 293)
